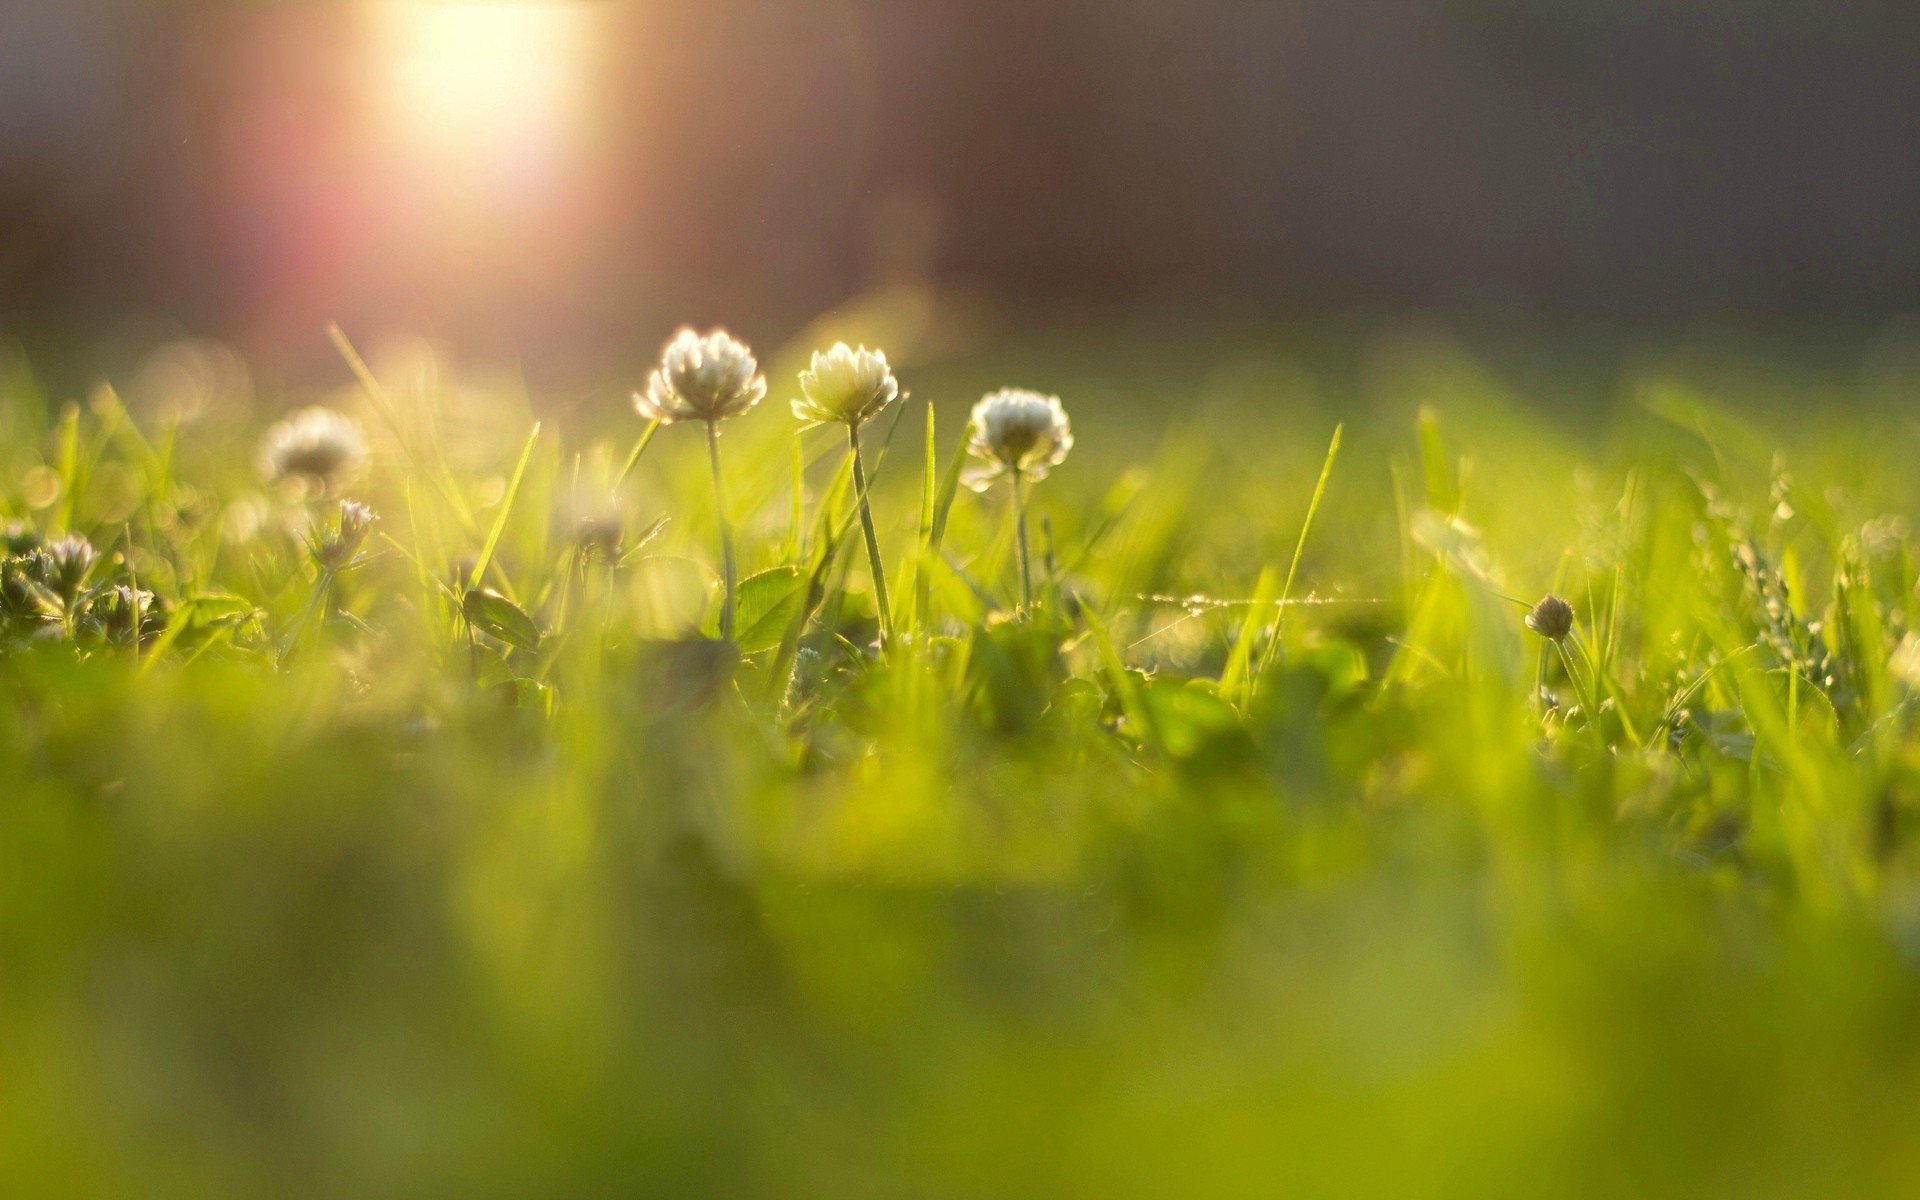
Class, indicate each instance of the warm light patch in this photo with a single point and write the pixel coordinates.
(490, 83)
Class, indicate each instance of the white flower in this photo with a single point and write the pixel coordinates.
(845, 387)
(334, 548)
(65, 564)
(1017, 430)
(706, 378)
(316, 444)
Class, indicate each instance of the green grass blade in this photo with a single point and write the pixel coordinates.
(1236, 678)
(1272, 650)
(506, 510)
(633, 459)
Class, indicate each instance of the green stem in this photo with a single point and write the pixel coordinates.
(726, 532)
(1589, 697)
(1020, 537)
(873, 540)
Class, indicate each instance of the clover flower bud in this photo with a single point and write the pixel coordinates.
(64, 564)
(1552, 619)
(598, 535)
(334, 548)
(125, 616)
(592, 521)
(24, 601)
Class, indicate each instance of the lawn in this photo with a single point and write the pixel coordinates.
(383, 813)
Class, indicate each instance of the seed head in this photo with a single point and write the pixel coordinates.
(1552, 619)
(845, 387)
(316, 444)
(1016, 430)
(706, 378)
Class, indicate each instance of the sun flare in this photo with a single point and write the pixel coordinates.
(486, 81)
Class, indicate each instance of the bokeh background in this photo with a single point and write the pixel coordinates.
(559, 182)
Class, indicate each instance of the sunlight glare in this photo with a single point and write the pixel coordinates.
(483, 83)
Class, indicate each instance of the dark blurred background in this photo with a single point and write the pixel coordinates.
(567, 179)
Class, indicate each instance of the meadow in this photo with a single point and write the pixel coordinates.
(422, 788)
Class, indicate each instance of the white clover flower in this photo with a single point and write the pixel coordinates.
(706, 378)
(315, 444)
(845, 387)
(1017, 430)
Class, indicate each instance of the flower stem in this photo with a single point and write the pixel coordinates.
(873, 539)
(726, 532)
(1020, 537)
(1589, 696)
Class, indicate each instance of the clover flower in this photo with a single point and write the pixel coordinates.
(1019, 432)
(845, 387)
(706, 379)
(316, 444)
(699, 378)
(24, 600)
(1552, 619)
(334, 548)
(125, 616)
(1024, 435)
(63, 565)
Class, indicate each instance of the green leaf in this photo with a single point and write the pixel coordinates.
(215, 608)
(766, 605)
(495, 615)
(1190, 721)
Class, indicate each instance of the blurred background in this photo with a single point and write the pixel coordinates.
(560, 182)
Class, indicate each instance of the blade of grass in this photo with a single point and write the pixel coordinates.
(1124, 687)
(1272, 650)
(383, 404)
(929, 490)
(506, 510)
(633, 459)
(1235, 679)
(67, 464)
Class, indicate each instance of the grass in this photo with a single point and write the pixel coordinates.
(1266, 852)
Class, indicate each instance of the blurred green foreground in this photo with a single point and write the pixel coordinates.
(351, 898)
